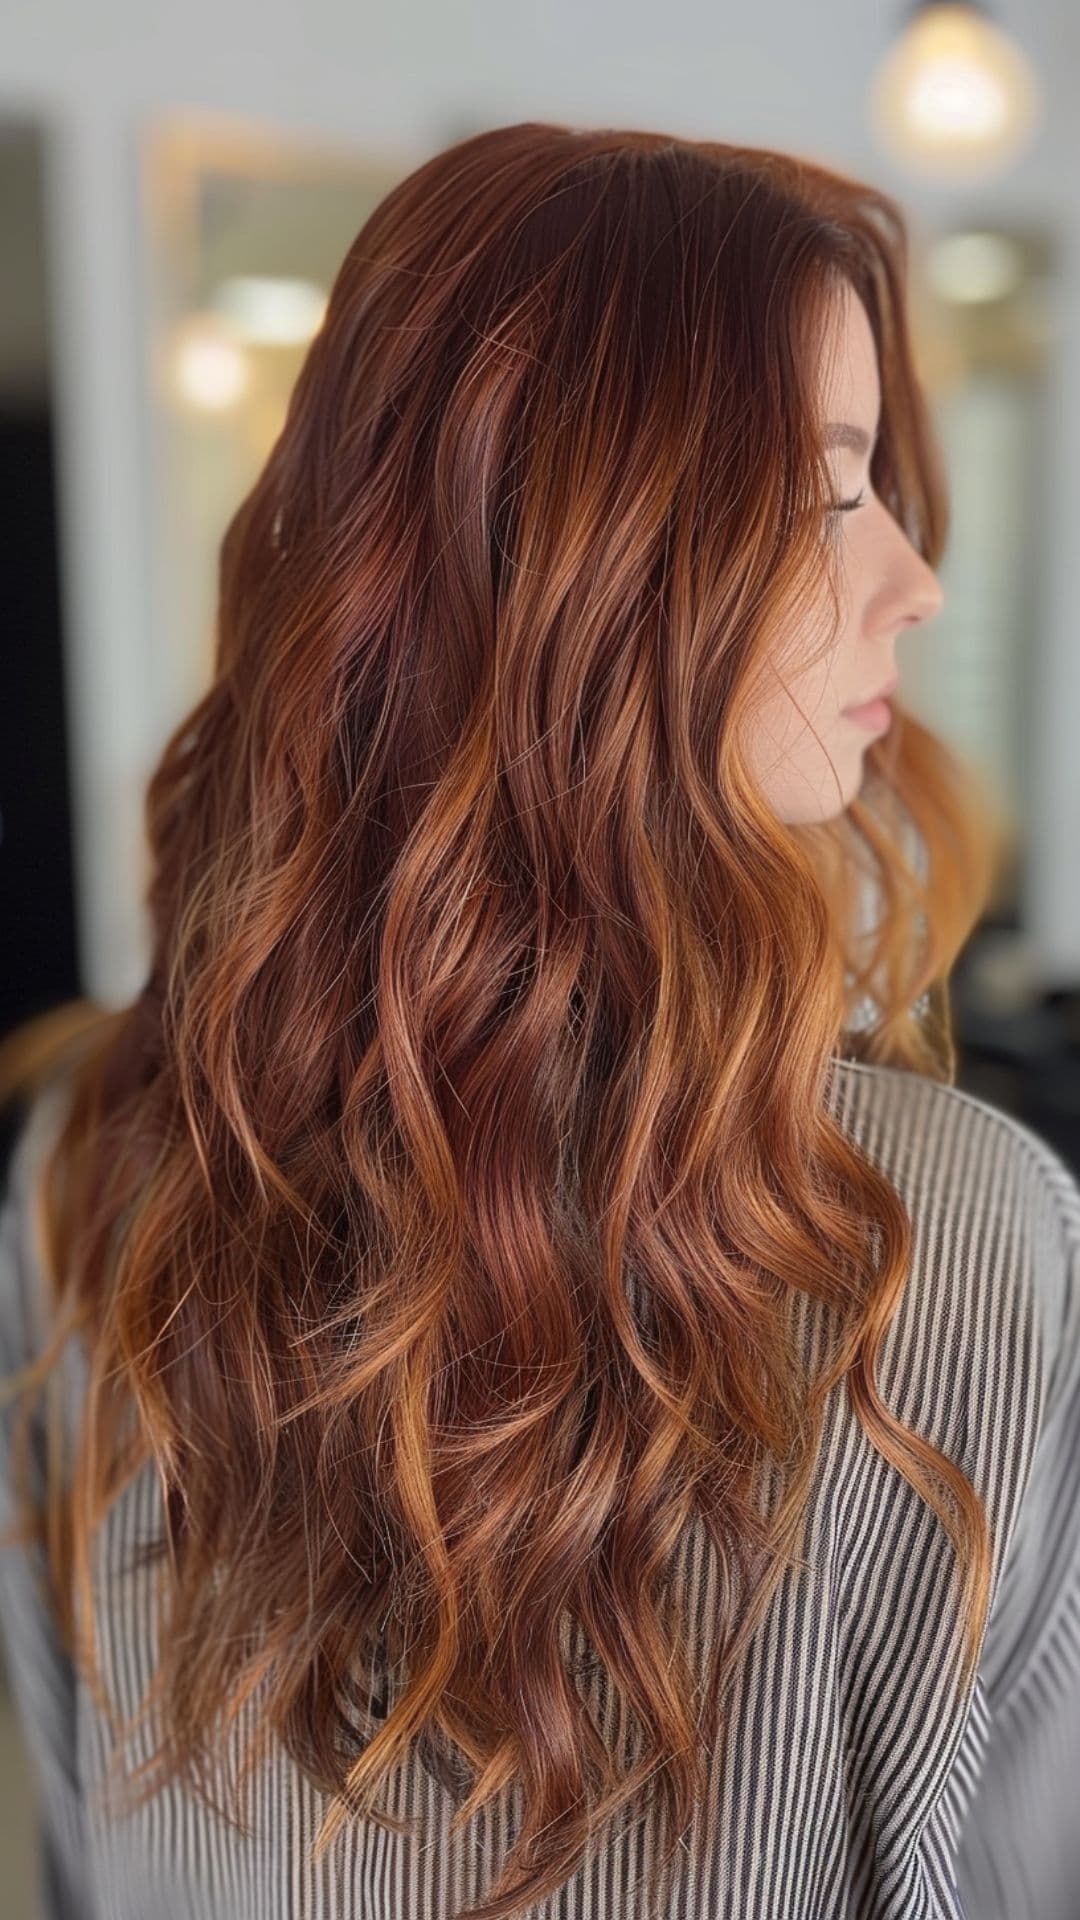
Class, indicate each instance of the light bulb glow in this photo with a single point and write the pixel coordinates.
(956, 99)
(954, 94)
(208, 370)
(970, 268)
(269, 311)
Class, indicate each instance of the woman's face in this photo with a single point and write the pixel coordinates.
(807, 750)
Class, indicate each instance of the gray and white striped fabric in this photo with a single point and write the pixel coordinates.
(859, 1780)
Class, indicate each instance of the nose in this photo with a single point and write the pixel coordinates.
(917, 591)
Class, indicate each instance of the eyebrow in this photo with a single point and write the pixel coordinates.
(841, 433)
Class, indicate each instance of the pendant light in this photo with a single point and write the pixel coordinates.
(955, 97)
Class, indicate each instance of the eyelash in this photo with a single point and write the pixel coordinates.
(848, 506)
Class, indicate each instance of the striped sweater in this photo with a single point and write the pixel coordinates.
(858, 1779)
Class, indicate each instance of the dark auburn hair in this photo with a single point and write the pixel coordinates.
(436, 1207)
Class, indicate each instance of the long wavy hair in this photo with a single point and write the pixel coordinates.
(432, 1216)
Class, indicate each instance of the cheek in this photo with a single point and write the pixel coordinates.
(818, 692)
(800, 718)
(798, 734)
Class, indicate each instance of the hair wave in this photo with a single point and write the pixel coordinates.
(451, 1175)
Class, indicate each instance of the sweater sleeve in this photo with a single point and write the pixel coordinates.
(1020, 1846)
(41, 1681)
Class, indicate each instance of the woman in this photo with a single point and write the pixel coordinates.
(568, 1409)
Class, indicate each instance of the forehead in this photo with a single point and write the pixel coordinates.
(848, 370)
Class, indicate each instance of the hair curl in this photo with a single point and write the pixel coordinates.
(436, 1205)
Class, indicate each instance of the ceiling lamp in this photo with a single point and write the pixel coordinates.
(208, 371)
(973, 269)
(955, 97)
(269, 311)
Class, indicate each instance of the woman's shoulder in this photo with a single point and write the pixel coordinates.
(995, 1207)
(983, 1354)
(894, 1103)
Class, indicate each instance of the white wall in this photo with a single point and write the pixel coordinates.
(402, 82)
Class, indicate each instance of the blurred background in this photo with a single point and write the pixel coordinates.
(177, 189)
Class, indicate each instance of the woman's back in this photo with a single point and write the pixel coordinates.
(857, 1780)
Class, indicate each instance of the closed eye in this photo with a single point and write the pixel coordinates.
(848, 506)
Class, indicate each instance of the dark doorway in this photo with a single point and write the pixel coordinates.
(37, 903)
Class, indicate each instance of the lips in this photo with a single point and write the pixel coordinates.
(881, 694)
